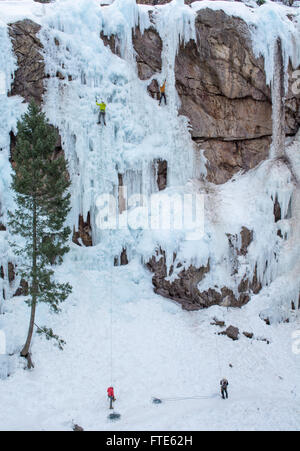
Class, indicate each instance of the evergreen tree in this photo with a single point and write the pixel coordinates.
(40, 183)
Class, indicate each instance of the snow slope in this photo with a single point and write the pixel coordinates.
(159, 350)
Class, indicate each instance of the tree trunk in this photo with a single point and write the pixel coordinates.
(25, 351)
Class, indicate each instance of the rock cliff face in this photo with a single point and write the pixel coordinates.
(148, 47)
(223, 92)
(29, 77)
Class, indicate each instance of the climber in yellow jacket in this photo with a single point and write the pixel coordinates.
(163, 93)
(102, 112)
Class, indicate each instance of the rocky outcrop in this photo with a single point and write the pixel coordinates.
(153, 89)
(292, 107)
(83, 236)
(122, 259)
(10, 273)
(161, 169)
(148, 48)
(112, 42)
(249, 335)
(29, 77)
(185, 288)
(231, 332)
(23, 289)
(226, 158)
(218, 323)
(246, 240)
(223, 92)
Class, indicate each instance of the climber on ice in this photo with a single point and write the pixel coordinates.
(111, 396)
(224, 385)
(102, 112)
(163, 93)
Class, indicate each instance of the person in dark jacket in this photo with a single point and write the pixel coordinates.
(111, 396)
(224, 385)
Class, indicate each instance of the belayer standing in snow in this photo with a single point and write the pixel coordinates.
(111, 396)
(163, 93)
(102, 112)
(224, 384)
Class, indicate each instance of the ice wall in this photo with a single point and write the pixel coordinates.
(10, 108)
(82, 69)
(138, 131)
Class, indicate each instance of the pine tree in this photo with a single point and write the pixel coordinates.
(40, 183)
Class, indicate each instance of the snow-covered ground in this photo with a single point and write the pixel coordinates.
(158, 350)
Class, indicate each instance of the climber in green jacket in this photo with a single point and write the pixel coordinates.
(102, 112)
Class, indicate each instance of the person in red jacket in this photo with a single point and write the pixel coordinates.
(111, 396)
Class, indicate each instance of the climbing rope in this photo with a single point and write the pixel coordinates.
(180, 398)
(111, 325)
(218, 357)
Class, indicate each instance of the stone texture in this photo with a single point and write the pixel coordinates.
(11, 272)
(161, 174)
(23, 289)
(218, 323)
(148, 48)
(249, 335)
(123, 258)
(277, 210)
(246, 238)
(29, 77)
(83, 236)
(232, 332)
(226, 158)
(184, 289)
(11, 276)
(112, 42)
(153, 89)
(221, 84)
(223, 92)
(292, 106)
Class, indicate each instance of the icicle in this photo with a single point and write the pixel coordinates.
(278, 103)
